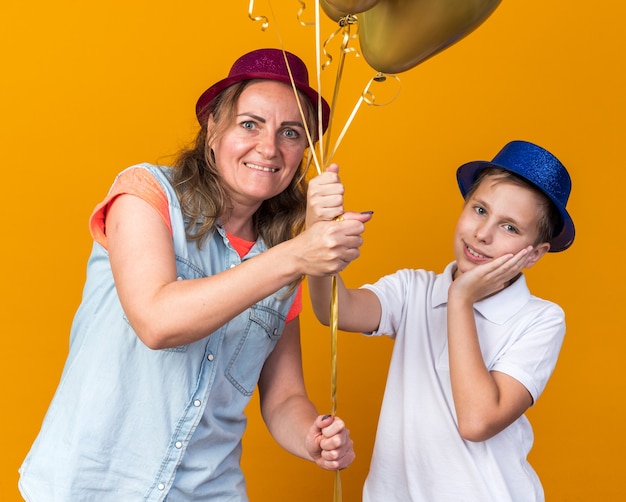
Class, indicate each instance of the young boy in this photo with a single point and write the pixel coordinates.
(473, 348)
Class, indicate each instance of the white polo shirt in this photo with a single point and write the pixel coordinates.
(419, 454)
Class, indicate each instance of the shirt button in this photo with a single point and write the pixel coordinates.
(233, 265)
(275, 330)
(196, 403)
(161, 486)
(210, 357)
(179, 445)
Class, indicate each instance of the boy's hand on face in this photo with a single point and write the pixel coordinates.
(489, 278)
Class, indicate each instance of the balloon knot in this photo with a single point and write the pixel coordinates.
(347, 20)
(380, 77)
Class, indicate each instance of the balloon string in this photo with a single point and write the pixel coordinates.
(368, 98)
(297, 95)
(334, 309)
(318, 59)
(346, 126)
(344, 50)
(334, 312)
(337, 493)
(345, 29)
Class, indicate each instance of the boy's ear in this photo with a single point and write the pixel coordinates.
(537, 253)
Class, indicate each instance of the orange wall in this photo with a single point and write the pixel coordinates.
(89, 88)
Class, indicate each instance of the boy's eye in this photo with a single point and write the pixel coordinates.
(479, 210)
(510, 228)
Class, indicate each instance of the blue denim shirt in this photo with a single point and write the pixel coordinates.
(128, 423)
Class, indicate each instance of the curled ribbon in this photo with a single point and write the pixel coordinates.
(257, 18)
(369, 98)
(300, 12)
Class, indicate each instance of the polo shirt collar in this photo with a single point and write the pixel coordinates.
(498, 308)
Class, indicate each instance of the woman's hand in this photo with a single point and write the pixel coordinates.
(327, 247)
(332, 238)
(329, 444)
(325, 197)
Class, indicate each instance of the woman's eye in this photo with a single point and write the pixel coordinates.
(291, 133)
(247, 124)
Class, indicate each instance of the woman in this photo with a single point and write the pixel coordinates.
(191, 300)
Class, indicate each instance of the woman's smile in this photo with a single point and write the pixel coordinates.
(258, 167)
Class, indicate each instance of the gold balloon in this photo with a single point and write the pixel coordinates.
(352, 6)
(396, 35)
(336, 9)
(331, 12)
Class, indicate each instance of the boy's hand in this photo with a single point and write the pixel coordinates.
(489, 278)
(325, 197)
(329, 444)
